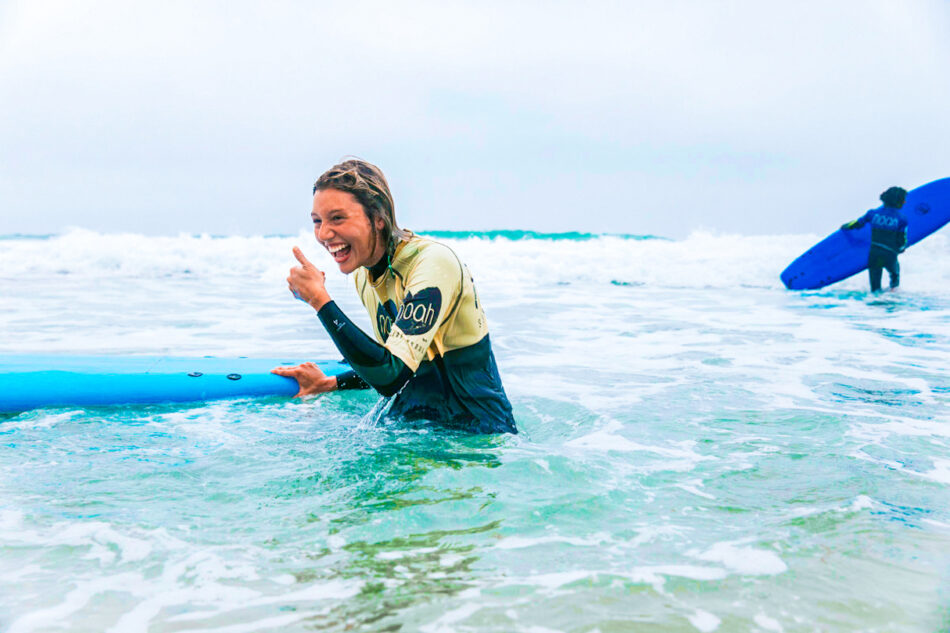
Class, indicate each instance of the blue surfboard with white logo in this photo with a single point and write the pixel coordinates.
(39, 381)
(845, 253)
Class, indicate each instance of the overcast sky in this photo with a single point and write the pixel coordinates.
(628, 117)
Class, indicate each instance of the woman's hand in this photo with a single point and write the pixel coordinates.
(306, 282)
(310, 379)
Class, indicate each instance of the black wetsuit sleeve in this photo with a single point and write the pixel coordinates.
(854, 224)
(371, 361)
(350, 380)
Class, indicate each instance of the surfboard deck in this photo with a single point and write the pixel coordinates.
(39, 381)
(845, 253)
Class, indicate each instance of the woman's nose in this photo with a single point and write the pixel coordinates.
(323, 232)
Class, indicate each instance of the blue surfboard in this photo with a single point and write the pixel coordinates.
(35, 381)
(845, 253)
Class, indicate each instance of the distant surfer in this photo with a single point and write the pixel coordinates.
(432, 352)
(888, 236)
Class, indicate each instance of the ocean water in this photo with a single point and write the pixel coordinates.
(700, 449)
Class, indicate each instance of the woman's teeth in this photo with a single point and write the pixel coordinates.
(339, 252)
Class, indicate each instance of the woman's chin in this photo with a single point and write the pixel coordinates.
(347, 266)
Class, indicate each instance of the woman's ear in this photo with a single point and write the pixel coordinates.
(379, 223)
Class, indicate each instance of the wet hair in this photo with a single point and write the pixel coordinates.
(368, 185)
(894, 197)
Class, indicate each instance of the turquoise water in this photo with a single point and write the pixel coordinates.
(701, 450)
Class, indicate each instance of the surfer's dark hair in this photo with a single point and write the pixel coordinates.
(894, 197)
(368, 185)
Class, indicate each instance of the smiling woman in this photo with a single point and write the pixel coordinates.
(432, 350)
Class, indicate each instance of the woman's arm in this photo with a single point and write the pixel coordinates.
(857, 224)
(375, 364)
(372, 362)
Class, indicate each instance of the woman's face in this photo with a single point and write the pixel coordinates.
(341, 226)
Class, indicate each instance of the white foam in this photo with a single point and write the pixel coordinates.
(744, 560)
(702, 260)
(19, 573)
(220, 599)
(677, 456)
(444, 624)
(704, 621)
(543, 463)
(274, 623)
(554, 580)
(71, 603)
(651, 532)
(331, 590)
(521, 542)
(654, 573)
(11, 520)
(693, 487)
(105, 544)
(397, 554)
(861, 502)
(767, 623)
(940, 472)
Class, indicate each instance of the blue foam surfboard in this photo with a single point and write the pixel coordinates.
(35, 381)
(845, 253)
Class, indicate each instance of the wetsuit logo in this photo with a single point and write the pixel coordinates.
(884, 221)
(385, 315)
(419, 312)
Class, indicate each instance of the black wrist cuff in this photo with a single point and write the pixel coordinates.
(350, 380)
